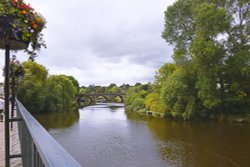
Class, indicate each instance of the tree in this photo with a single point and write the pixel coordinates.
(154, 103)
(180, 95)
(100, 89)
(134, 99)
(31, 89)
(60, 93)
(179, 29)
(40, 93)
(114, 89)
(162, 75)
(83, 90)
(74, 81)
(211, 70)
(212, 37)
(91, 88)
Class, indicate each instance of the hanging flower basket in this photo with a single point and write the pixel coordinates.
(20, 26)
(10, 37)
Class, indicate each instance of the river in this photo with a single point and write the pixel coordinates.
(104, 135)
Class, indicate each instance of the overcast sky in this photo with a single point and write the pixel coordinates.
(103, 41)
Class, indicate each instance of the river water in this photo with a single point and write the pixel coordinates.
(104, 135)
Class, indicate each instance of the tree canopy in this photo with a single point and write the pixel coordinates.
(60, 93)
(40, 93)
(211, 70)
(31, 89)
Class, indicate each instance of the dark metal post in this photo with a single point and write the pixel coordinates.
(12, 94)
(6, 100)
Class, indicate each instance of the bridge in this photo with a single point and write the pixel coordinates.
(93, 97)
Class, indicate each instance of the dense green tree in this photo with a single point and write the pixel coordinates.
(137, 84)
(135, 97)
(100, 89)
(60, 93)
(114, 89)
(124, 88)
(211, 70)
(213, 38)
(180, 95)
(162, 75)
(31, 88)
(74, 81)
(83, 90)
(40, 93)
(154, 103)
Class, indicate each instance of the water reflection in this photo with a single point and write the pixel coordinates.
(58, 120)
(199, 143)
(202, 143)
(106, 136)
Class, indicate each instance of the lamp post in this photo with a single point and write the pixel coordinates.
(13, 91)
(8, 42)
(19, 25)
(6, 98)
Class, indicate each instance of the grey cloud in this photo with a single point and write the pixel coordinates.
(104, 41)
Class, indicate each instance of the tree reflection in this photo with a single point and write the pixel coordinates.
(58, 120)
(198, 143)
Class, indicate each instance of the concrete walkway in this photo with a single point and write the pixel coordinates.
(2, 144)
(14, 143)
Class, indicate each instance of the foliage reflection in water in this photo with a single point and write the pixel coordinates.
(58, 120)
(106, 136)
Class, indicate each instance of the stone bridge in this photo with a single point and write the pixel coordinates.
(92, 97)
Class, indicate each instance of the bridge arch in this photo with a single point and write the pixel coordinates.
(120, 97)
(82, 98)
(94, 96)
(106, 98)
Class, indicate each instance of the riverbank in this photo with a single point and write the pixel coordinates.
(221, 118)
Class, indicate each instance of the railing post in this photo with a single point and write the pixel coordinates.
(6, 100)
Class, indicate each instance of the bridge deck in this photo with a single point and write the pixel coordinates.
(15, 146)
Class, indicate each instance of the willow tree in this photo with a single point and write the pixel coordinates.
(60, 93)
(212, 38)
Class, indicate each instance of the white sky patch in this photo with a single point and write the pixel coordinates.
(103, 41)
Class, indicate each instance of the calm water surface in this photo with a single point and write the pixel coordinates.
(105, 136)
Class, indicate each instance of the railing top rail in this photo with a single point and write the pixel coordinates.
(51, 152)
